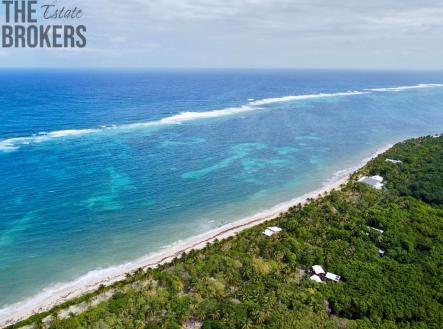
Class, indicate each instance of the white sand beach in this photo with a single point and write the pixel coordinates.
(62, 292)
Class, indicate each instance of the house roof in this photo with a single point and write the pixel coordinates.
(318, 269)
(316, 278)
(333, 277)
(374, 181)
(376, 229)
(377, 178)
(270, 231)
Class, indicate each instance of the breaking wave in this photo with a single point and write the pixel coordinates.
(267, 101)
(402, 88)
(12, 144)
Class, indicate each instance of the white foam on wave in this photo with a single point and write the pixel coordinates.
(70, 132)
(267, 101)
(13, 144)
(190, 116)
(402, 88)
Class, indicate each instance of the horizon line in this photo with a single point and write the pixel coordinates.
(145, 68)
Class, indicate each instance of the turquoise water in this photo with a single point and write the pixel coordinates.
(100, 168)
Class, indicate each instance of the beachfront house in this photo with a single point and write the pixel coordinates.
(332, 277)
(270, 231)
(393, 161)
(374, 181)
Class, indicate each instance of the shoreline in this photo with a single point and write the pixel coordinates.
(62, 292)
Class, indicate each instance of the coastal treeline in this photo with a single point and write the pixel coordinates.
(387, 245)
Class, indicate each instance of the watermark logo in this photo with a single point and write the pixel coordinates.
(28, 24)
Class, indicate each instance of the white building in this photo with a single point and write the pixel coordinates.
(374, 181)
(376, 229)
(377, 178)
(333, 277)
(319, 275)
(393, 161)
(270, 231)
(318, 270)
(316, 278)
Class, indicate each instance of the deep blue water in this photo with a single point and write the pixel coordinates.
(101, 167)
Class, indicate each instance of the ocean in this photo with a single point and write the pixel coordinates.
(101, 167)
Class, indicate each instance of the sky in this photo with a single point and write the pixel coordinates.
(351, 34)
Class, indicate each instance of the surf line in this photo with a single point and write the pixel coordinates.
(13, 144)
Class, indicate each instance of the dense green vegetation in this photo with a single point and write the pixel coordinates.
(421, 175)
(252, 281)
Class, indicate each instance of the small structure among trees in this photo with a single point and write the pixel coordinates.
(316, 278)
(270, 231)
(373, 181)
(319, 275)
(393, 161)
(332, 277)
(375, 229)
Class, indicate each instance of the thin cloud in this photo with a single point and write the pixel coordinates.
(263, 33)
